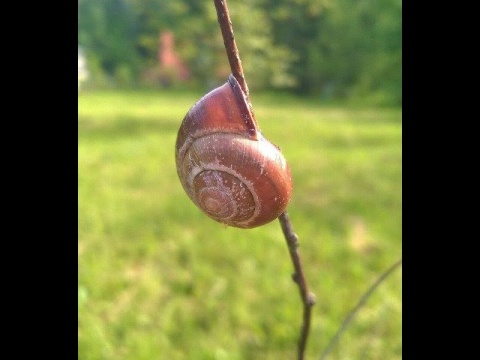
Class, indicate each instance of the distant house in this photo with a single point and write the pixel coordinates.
(172, 66)
(82, 67)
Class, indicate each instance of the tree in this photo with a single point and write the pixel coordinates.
(331, 48)
(106, 29)
(344, 48)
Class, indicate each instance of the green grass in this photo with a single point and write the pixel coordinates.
(157, 279)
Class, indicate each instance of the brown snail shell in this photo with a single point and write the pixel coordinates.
(227, 168)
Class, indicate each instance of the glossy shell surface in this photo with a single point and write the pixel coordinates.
(227, 168)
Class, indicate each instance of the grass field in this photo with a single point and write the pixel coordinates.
(157, 279)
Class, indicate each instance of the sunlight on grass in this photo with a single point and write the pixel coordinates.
(159, 280)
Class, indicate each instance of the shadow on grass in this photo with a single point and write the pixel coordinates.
(126, 126)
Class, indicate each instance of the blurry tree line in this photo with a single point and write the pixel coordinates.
(328, 48)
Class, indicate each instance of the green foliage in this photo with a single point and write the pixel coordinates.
(345, 48)
(107, 31)
(157, 279)
(330, 48)
(267, 65)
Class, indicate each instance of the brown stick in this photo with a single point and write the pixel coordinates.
(223, 16)
(308, 298)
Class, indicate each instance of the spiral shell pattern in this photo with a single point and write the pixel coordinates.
(227, 168)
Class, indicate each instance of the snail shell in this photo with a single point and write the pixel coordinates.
(227, 168)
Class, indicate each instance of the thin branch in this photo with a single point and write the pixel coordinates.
(308, 298)
(223, 16)
(357, 307)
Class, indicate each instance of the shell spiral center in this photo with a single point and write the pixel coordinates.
(223, 196)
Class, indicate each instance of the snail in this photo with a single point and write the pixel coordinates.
(226, 166)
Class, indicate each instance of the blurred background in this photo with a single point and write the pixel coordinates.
(330, 48)
(157, 279)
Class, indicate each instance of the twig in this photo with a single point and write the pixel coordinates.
(308, 298)
(223, 16)
(357, 307)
